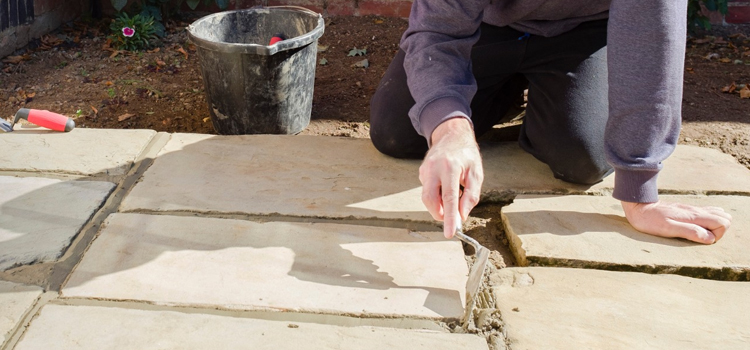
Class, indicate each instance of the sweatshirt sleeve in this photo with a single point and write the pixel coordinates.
(438, 46)
(645, 55)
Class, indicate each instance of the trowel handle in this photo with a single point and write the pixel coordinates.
(460, 234)
(47, 119)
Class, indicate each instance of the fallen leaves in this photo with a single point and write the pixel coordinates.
(729, 88)
(362, 64)
(745, 92)
(125, 116)
(323, 62)
(742, 89)
(357, 52)
(16, 59)
(182, 51)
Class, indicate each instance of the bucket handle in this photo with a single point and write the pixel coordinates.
(292, 7)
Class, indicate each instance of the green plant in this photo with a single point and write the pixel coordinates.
(132, 33)
(696, 18)
(147, 8)
(111, 92)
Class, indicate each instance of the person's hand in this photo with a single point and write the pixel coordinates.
(699, 224)
(452, 162)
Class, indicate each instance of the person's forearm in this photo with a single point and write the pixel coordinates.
(646, 51)
(438, 65)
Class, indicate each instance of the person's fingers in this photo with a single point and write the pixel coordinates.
(717, 224)
(472, 182)
(718, 211)
(431, 191)
(687, 231)
(450, 190)
(431, 200)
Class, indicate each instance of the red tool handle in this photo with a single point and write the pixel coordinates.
(50, 120)
(276, 38)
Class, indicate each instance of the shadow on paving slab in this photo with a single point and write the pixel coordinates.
(342, 268)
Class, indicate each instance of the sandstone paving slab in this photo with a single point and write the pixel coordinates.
(690, 169)
(81, 151)
(563, 308)
(287, 175)
(15, 301)
(337, 177)
(100, 328)
(699, 170)
(39, 217)
(592, 231)
(240, 265)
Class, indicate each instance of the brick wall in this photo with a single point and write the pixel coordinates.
(24, 20)
(394, 8)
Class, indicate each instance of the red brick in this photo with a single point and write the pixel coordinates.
(340, 7)
(314, 5)
(384, 8)
(738, 12)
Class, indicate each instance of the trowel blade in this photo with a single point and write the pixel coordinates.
(474, 283)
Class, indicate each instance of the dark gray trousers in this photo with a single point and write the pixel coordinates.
(567, 106)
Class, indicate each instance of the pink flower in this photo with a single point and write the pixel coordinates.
(128, 32)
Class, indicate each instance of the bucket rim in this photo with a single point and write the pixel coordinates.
(258, 49)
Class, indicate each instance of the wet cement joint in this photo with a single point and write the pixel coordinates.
(16, 334)
(275, 217)
(338, 319)
(61, 270)
(735, 274)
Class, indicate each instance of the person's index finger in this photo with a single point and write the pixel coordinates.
(450, 194)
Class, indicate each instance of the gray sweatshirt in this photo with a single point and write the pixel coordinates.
(645, 53)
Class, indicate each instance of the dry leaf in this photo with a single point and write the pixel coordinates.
(745, 92)
(701, 41)
(160, 62)
(206, 119)
(109, 83)
(725, 60)
(124, 116)
(182, 51)
(729, 88)
(96, 111)
(117, 52)
(16, 59)
(378, 21)
(154, 50)
(31, 95)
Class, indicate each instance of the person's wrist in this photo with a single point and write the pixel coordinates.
(457, 126)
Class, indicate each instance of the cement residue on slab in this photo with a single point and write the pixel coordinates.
(592, 232)
(81, 151)
(94, 328)
(39, 217)
(561, 308)
(15, 301)
(241, 265)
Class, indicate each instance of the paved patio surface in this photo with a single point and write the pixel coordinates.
(141, 239)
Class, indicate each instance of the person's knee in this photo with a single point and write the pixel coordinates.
(583, 170)
(392, 143)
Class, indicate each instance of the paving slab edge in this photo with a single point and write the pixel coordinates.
(101, 176)
(727, 273)
(333, 318)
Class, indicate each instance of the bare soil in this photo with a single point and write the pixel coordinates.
(74, 72)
